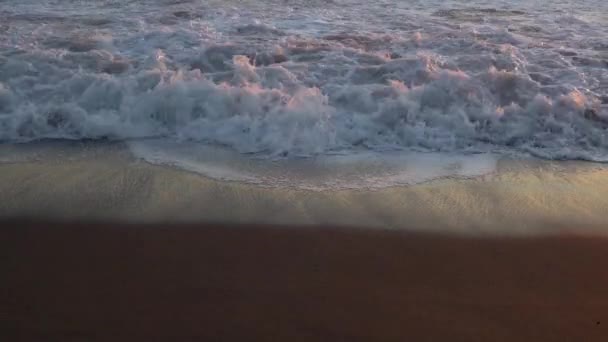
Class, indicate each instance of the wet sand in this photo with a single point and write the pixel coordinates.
(103, 181)
(117, 282)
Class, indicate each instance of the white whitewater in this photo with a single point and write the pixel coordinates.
(344, 81)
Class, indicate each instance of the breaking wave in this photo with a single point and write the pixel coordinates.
(301, 83)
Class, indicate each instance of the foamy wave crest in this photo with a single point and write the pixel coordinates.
(277, 89)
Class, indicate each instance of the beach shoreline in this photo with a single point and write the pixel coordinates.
(97, 181)
(303, 170)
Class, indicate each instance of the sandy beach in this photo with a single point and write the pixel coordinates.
(104, 181)
(98, 245)
(71, 282)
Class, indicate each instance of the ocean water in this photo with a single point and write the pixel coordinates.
(343, 82)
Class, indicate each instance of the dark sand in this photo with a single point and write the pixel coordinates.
(252, 283)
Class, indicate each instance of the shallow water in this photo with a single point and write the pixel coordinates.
(294, 78)
(361, 170)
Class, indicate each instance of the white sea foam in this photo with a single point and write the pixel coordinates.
(302, 78)
(359, 170)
